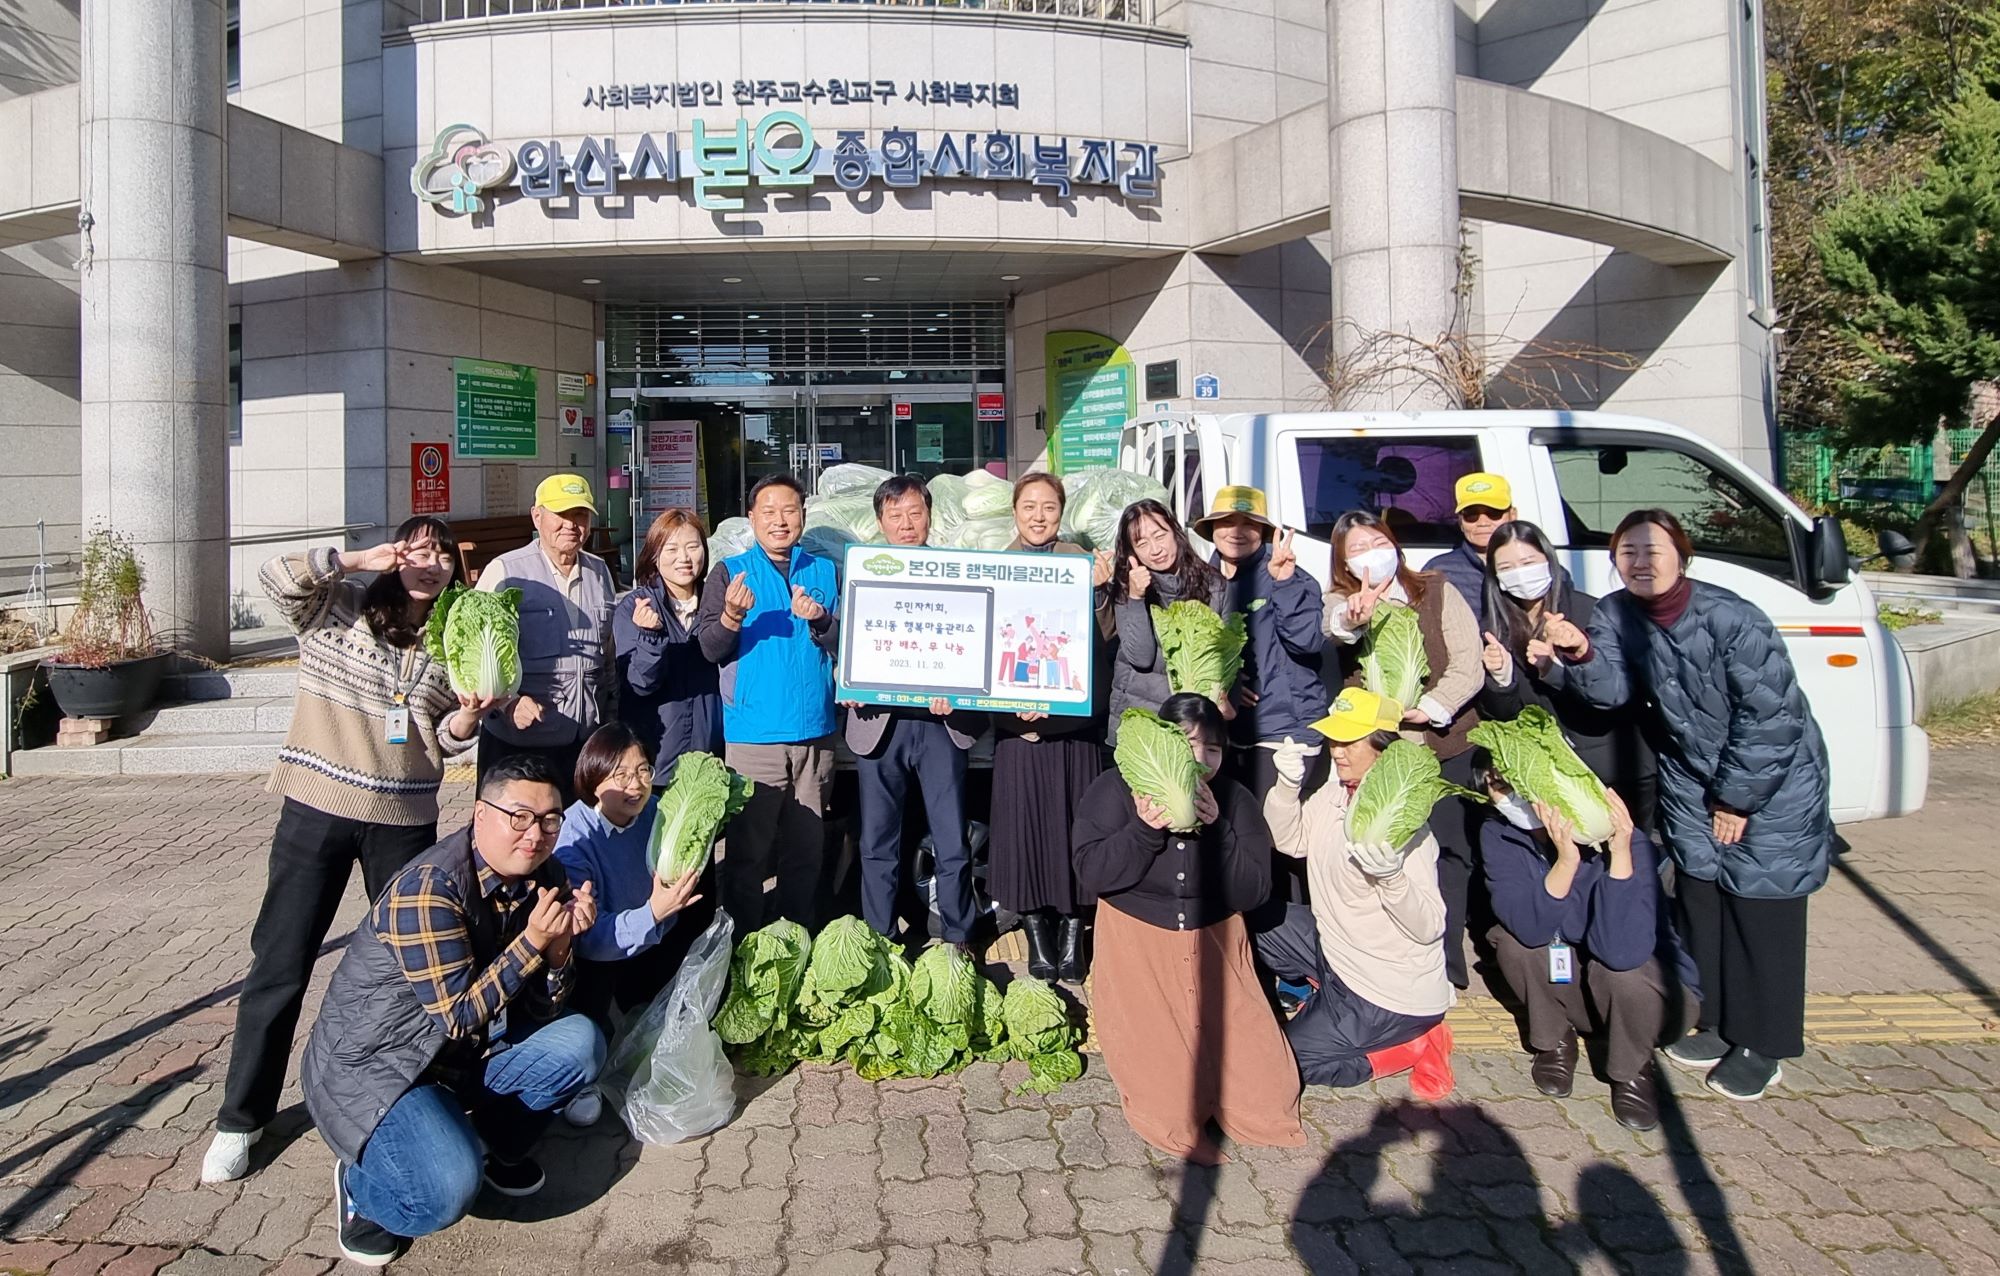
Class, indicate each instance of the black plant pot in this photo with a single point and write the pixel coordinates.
(115, 691)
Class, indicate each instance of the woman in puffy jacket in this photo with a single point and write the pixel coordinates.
(1155, 567)
(1743, 789)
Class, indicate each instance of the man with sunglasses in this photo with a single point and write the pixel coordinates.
(1484, 502)
(442, 1048)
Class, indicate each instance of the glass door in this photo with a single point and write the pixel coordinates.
(777, 438)
(852, 428)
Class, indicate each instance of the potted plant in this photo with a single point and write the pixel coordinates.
(109, 664)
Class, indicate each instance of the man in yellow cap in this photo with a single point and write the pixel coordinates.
(1372, 941)
(567, 594)
(1484, 502)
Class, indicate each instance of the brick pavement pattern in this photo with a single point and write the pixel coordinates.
(123, 931)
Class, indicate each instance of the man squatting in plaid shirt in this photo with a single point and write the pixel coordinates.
(442, 1048)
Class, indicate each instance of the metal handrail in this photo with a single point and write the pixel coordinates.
(300, 534)
(1132, 12)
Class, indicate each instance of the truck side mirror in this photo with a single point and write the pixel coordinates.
(1828, 563)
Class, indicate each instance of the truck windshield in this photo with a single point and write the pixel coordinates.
(1406, 479)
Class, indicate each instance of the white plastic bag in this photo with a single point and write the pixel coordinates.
(850, 479)
(668, 1076)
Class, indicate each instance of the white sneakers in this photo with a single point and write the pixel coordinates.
(585, 1108)
(228, 1156)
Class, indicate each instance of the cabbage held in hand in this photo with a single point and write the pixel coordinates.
(1393, 664)
(1537, 762)
(1397, 794)
(1204, 652)
(701, 794)
(1157, 761)
(478, 637)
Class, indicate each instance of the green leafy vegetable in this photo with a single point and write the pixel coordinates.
(1393, 664)
(1538, 763)
(1040, 1034)
(1158, 762)
(701, 795)
(764, 977)
(478, 637)
(1397, 794)
(1204, 652)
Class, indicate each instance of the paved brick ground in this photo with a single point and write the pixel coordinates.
(123, 930)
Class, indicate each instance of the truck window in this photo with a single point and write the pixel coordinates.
(1405, 480)
(1602, 484)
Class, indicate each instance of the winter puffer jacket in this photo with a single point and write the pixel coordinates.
(1733, 730)
(1281, 660)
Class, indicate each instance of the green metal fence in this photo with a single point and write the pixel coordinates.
(1890, 486)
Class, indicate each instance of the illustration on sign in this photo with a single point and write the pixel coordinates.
(1207, 387)
(461, 164)
(780, 150)
(569, 420)
(985, 630)
(1092, 391)
(430, 478)
(496, 408)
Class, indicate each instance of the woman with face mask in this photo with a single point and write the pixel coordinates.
(669, 694)
(1584, 938)
(1526, 590)
(1186, 1030)
(1369, 572)
(1155, 566)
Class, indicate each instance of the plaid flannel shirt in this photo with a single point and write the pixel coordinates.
(423, 920)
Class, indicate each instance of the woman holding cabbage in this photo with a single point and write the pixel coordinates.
(374, 721)
(606, 840)
(1041, 767)
(1174, 854)
(1154, 566)
(1743, 789)
(1414, 641)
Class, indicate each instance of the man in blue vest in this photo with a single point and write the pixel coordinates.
(894, 746)
(767, 618)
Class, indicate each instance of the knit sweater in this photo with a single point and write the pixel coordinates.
(337, 757)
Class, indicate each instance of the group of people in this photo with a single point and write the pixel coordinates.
(1233, 962)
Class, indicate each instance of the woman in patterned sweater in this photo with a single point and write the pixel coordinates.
(359, 772)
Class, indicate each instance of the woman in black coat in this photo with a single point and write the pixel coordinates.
(1525, 589)
(668, 692)
(1743, 788)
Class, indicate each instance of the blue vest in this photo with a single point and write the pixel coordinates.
(779, 689)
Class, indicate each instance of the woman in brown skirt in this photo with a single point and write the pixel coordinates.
(1185, 1027)
(1041, 767)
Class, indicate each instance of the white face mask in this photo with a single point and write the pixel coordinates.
(1526, 583)
(1517, 812)
(1376, 565)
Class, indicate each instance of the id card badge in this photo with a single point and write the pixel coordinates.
(396, 725)
(1562, 963)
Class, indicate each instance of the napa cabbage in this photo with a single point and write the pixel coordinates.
(1538, 763)
(700, 796)
(1396, 796)
(1040, 1034)
(477, 636)
(1204, 652)
(1393, 664)
(764, 977)
(1157, 761)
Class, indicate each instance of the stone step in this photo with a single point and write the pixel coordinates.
(263, 683)
(162, 753)
(234, 715)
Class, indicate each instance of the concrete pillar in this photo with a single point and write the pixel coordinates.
(154, 282)
(1392, 102)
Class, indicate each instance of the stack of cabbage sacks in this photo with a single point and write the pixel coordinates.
(851, 997)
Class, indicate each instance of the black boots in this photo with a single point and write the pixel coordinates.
(1040, 928)
(1071, 956)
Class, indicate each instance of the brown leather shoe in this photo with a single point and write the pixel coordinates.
(1555, 1070)
(1636, 1103)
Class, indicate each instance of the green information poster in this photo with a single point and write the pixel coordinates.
(1092, 391)
(496, 409)
(930, 443)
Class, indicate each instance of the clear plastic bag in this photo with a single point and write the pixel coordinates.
(668, 1076)
(732, 536)
(849, 479)
(1098, 499)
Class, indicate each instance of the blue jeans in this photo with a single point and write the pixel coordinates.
(422, 1166)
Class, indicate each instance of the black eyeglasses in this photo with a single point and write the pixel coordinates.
(521, 820)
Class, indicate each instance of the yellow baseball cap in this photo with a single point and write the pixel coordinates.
(559, 492)
(1357, 714)
(1236, 499)
(1490, 490)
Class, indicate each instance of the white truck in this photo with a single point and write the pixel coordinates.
(1575, 474)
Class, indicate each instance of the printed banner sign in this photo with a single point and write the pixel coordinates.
(496, 408)
(673, 454)
(987, 630)
(1092, 392)
(572, 387)
(430, 478)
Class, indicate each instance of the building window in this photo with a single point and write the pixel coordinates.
(235, 383)
(232, 46)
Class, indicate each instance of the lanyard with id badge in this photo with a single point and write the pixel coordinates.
(1562, 962)
(396, 722)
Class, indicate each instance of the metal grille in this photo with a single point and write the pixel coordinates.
(805, 336)
(1135, 12)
